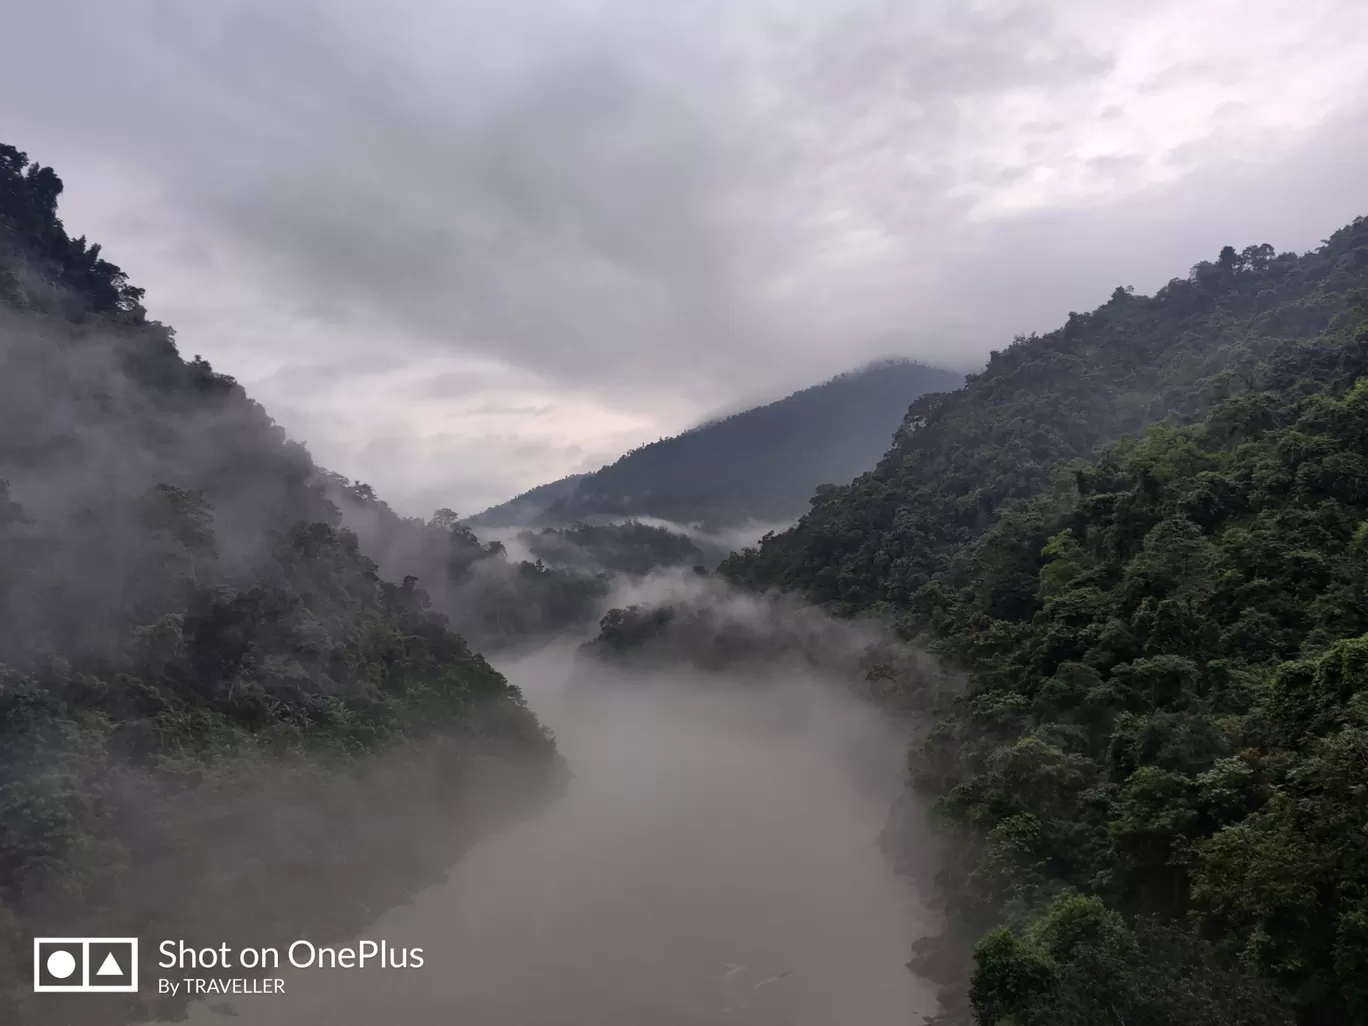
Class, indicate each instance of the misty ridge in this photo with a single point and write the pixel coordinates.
(217, 715)
(511, 587)
(235, 705)
(755, 466)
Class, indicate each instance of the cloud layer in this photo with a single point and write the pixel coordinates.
(461, 248)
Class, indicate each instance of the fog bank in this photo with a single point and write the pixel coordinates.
(714, 861)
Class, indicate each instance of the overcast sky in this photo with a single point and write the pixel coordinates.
(462, 247)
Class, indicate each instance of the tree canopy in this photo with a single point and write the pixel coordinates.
(214, 710)
(1143, 537)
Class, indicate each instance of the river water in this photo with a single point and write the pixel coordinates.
(709, 864)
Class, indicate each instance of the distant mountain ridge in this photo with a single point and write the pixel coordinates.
(528, 506)
(763, 463)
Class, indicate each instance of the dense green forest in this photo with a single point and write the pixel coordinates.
(530, 506)
(708, 631)
(493, 600)
(1145, 538)
(217, 719)
(490, 599)
(712, 627)
(631, 548)
(758, 465)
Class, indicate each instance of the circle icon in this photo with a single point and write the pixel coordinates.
(61, 964)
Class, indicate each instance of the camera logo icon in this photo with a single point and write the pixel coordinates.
(85, 965)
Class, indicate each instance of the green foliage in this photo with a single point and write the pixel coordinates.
(494, 602)
(631, 548)
(1180, 713)
(960, 460)
(1082, 964)
(1161, 754)
(29, 225)
(214, 712)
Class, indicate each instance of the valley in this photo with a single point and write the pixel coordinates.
(1053, 714)
(708, 864)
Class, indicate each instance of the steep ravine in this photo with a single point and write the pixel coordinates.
(714, 861)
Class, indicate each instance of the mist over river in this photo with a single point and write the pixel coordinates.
(713, 861)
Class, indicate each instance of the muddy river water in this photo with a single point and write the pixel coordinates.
(706, 866)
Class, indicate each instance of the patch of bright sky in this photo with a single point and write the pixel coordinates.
(1186, 82)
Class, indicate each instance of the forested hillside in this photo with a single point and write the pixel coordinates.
(490, 599)
(217, 720)
(529, 506)
(1157, 774)
(631, 548)
(759, 465)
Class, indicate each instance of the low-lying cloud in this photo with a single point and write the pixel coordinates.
(715, 859)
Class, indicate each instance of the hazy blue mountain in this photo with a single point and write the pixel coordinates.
(761, 464)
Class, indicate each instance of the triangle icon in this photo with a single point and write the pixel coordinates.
(109, 967)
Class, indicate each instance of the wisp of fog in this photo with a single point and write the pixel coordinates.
(713, 861)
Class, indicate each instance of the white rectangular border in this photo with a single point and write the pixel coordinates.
(85, 987)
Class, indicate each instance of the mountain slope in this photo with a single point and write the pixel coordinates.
(529, 506)
(1154, 776)
(762, 464)
(217, 721)
(1173, 729)
(495, 602)
(960, 458)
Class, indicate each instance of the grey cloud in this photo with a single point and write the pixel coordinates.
(493, 467)
(493, 409)
(949, 49)
(1115, 166)
(593, 212)
(1043, 265)
(688, 198)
